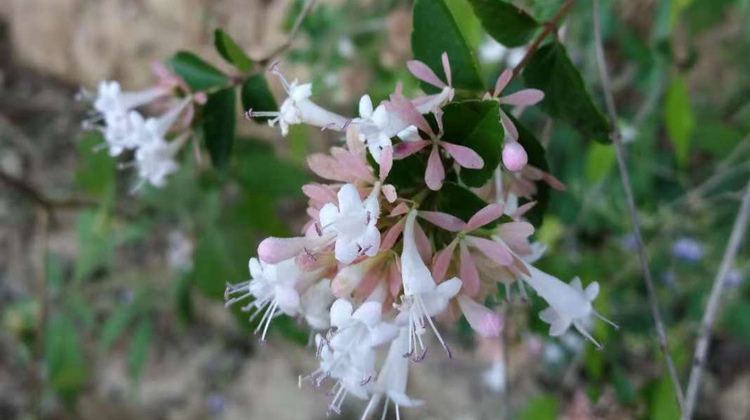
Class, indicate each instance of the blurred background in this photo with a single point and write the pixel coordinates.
(111, 304)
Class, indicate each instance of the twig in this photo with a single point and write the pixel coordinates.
(712, 309)
(291, 36)
(39, 199)
(41, 326)
(548, 28)
(625, 179)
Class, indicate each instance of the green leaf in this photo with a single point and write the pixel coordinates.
(230, 51)
(260, 171)
(476, 125)
(219, 121)
(257, 96)
(435, 31)
(663, 403)
(543, 407)
(114, 326)
(565, 94)
(215, 264)
(505, 22)
(96, 175)
(538, 159)
(679, 118)
(96, 247)
(66, 367)
(139, 348)
(198, 74)
(600, 159)
(468, 23)
(406, 173)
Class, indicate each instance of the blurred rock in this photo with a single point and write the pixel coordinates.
(84, 41)
(734, 403)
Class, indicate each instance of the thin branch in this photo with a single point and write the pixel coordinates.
(712, 309)
(625, 179)
(41, 290)
(548, 28)
(291, 36)
(40, 199)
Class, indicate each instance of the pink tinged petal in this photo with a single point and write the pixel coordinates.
(393, 276)
(422, 72)
(488, 214)
(408, 148)
(341, 312)
(519, 266)
(447, 68)
(553, 182)
(386, 162)
(465, 156)
(516, 235)
(327, 167)
(319, 193)
(423, 243)
(275, 250)
(485, 322)
(441, 262)
(399, 210)
(502, 81)
(524, 97)
(406, 110)
(435, 173)
(368, 284)
(486, 96)
(468, 271)
(514, 156)
(392, 235)
(495, 251)
(389, 191)
(523, 209)
(443, 220)
(510, 129)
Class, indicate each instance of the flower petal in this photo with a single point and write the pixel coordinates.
(435, 173)
(341, 312)
(386, 162)
(349, 199)
(447, 68)
(450, 288)
(485, 322)
(423, 243)
(463, 155)
(392, 235)
(275, 250)
(502, 81)
(442, 260)
(514, 156)
(422, 72)
(510, 129)
(524, 97)
(365, 106)
(444, 220)
(468, 271)
(484, 216)
(369, 313)
(408, 148)
(495, 251)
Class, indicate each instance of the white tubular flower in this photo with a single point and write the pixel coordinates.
(297, 108)
(392, 379)
(354, 223)
(422, 298)
(315, 303)
(376, 127)
(273, 289)
(569, 304)
(113, 109)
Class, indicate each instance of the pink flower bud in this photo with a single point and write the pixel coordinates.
(514, 156)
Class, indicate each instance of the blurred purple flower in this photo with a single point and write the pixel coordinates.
(215, 403)
(688, 249)
(733, 278)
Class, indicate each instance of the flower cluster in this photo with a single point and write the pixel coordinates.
(379, 267)
(153, 140)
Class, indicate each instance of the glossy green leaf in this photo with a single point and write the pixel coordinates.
(468, 23)
(198, 74)
(436, 31)
(260, 171)
(475, 124)
(230, 51)
(565, 95)
(679, 118)
(256, 95)
(600, 159)
(543, 407)
(139, 346)
(219, 119)
(505, 22)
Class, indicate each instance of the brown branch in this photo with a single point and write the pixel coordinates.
(40, 199)
(714, 301)
(625, 179)
(549, 27)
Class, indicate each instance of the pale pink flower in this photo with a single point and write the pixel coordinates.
(432, 103)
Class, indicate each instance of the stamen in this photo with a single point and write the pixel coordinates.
(600, 316)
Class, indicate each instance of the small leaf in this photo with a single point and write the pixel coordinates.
(115, 326)
(600, 159)
(260, 171)
(65, 362)
(230, 51)
(475, 124)
(565, 95)
(218, 125)
(96, 175)
(543, 407)
(215, 264)
(679, 118)
(257, 96)
(467, 22)
(663, 403)
(505, 22)
(435, 31)
(139, 348)
(198, 74)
